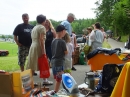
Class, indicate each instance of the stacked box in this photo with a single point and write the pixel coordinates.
(76, 57)
(6, 89)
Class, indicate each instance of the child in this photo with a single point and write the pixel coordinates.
(59, 50)
(68, 57)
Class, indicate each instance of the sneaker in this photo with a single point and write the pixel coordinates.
(35, 74)
(73, 69)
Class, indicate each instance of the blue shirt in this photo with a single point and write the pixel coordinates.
(67, 26)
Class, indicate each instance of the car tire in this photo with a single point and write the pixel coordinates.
(3, 54)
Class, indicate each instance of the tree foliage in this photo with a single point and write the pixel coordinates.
(114, 15)
(79, 26)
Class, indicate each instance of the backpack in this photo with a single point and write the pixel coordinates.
(108, 78)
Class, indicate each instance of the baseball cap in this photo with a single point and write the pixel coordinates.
(60, 28)
(72, 15)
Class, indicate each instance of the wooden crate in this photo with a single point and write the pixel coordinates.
(6, 89)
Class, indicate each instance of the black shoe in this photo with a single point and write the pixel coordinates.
(35, 84)
(73, 69)
(35, 74)
(90, 71)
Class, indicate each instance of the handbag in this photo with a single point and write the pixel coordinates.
(108, 78)
(44, 66)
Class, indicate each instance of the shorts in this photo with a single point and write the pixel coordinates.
(58, 68)
(22, 54)
(57, 73)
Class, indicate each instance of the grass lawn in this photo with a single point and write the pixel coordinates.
(124, 38)
(11, 47)
(10, 63)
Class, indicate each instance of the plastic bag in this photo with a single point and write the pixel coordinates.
(87, 49)
(44, 66)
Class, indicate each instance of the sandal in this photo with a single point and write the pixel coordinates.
(47, 83)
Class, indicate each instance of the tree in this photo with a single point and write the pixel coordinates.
(3, 36)
(77, 25)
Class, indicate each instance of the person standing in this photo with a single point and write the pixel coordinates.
(59, 50)
(104, 34)
(96, 37)
(22, 37)
(84, 38)
(67, 25)
(37, 48)
(50, 35)
(74, 43)
(68, 57)
(89, 30)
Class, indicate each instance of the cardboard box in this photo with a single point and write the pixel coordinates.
(6, 89)
(76, 60)
(77, 52)
(77, 48)
(22, 83)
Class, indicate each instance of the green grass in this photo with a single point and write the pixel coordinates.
(10, 62)
(124, 38)
(11, 47)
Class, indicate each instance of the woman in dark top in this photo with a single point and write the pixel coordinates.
(50, 35)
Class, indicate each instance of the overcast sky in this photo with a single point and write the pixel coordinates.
(11, 11)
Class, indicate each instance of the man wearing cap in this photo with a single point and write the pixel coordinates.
(67, 23)
(59, 49)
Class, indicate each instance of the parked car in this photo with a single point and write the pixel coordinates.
(78, 36)
(79, 40)
(4, 52)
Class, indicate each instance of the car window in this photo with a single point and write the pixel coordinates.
(79, 40)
